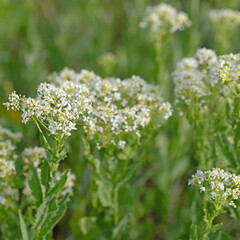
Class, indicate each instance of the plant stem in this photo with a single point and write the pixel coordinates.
(116, 208)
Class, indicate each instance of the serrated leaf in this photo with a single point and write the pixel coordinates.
(35, 185)
(41, 213)
(55, 213)
(62, 154)
(23, 226)
(216, 227)
(60, 184)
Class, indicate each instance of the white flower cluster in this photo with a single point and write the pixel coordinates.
(194, 76)
(7, 152)
(8, 195)
(118, 106)
(220, 185)
(229, 69)
(226, 16)
(33, 156)
(56, 108)
(7, 165)
(164, 18)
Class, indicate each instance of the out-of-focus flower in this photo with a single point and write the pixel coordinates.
(164, 18)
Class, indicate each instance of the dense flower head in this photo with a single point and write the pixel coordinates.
(206, 58)
(195, 78)
(56, 108)
(33, 156)
(229, 68)
(225, 16)
(164, 18)
(218, 184)
(118, 106)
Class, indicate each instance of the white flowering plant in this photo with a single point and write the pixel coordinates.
(122, 113)
(101, 154)
(21, 190)
(54, 113)
(114, 115)
(220, 189)
(163, 21)
(207, 91)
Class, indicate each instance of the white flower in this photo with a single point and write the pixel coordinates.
(164, 18)
(225, 16)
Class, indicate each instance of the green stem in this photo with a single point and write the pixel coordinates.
(116, 208)
(37, 237)
(208, 226)
(158, 50)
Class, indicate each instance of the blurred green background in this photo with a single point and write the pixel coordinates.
(39, 37)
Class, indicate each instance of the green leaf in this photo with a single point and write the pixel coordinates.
(45, 173)
(121, 227)
(23, 226)
(104, 193)
(35, 185)
(62, 154)
(194, 232)
(60, 184)
(41, 213)
(225, 151)
(216, 227)
(230, 114)
(86, 224)
(55, 214)
(128, 173)
(180, 168)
